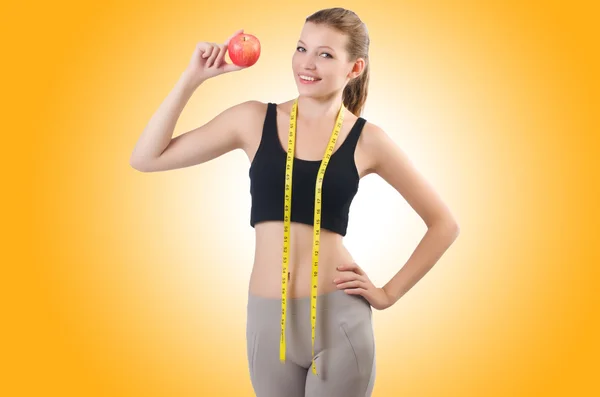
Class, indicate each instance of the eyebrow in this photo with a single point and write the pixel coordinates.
(323, 46)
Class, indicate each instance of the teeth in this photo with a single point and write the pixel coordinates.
(308, 78)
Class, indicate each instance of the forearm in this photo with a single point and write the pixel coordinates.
(435, 242)
(159, 131)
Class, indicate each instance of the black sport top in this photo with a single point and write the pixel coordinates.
(267, 180)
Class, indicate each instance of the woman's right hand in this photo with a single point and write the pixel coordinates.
(208, 60)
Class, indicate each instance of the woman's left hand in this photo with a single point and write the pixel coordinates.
(355, 281)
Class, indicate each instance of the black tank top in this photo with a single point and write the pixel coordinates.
(267, 180)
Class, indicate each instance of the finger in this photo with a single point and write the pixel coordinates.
(352, 284)
(206, 51)
(232, 36)
(211, 60)
(352, 267)
(230, 67)
(351, 276)
(221, 55)
(355, 291)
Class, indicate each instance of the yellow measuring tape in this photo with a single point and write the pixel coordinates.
(289, 166)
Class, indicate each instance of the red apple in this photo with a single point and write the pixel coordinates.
(244, 49)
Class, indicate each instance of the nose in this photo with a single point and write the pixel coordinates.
(308, 64)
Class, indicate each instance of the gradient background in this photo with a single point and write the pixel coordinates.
(120, 283)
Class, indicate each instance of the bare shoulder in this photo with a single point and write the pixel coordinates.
(241, 115)
(251, 107)
(248, 111)
(388, 160)
(372, 135)
(244, 120)
(384, 155)
(372, 139)
(251, 118)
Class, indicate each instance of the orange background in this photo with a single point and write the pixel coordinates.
(120, 283)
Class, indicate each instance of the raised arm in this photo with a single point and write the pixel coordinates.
(157, 150)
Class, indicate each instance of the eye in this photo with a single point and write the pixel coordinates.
(303, 49)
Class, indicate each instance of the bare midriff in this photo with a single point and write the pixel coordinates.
(265, 279)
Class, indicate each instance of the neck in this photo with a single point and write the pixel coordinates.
(313, 109)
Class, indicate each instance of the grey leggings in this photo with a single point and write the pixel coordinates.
(344, 347)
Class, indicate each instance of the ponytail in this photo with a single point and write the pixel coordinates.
(355, 93)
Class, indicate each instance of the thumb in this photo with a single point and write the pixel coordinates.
(239, 31)
(231, 67)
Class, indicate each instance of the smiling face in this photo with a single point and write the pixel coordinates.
(321, 54)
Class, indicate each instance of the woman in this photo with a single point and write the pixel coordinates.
(309, 330)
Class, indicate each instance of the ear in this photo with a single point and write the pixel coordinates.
(357, 68)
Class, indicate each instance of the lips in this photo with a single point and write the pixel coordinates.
(316, 79)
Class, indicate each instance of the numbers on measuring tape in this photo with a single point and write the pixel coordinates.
(316, 224)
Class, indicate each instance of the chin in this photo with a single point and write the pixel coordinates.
(312, 94)
(313, 89)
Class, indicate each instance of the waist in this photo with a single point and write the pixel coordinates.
(266, 274)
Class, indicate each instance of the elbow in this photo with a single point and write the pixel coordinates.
(134, 163)
(452, 224)
(138, 165)
(454, 228)
(450, 227)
